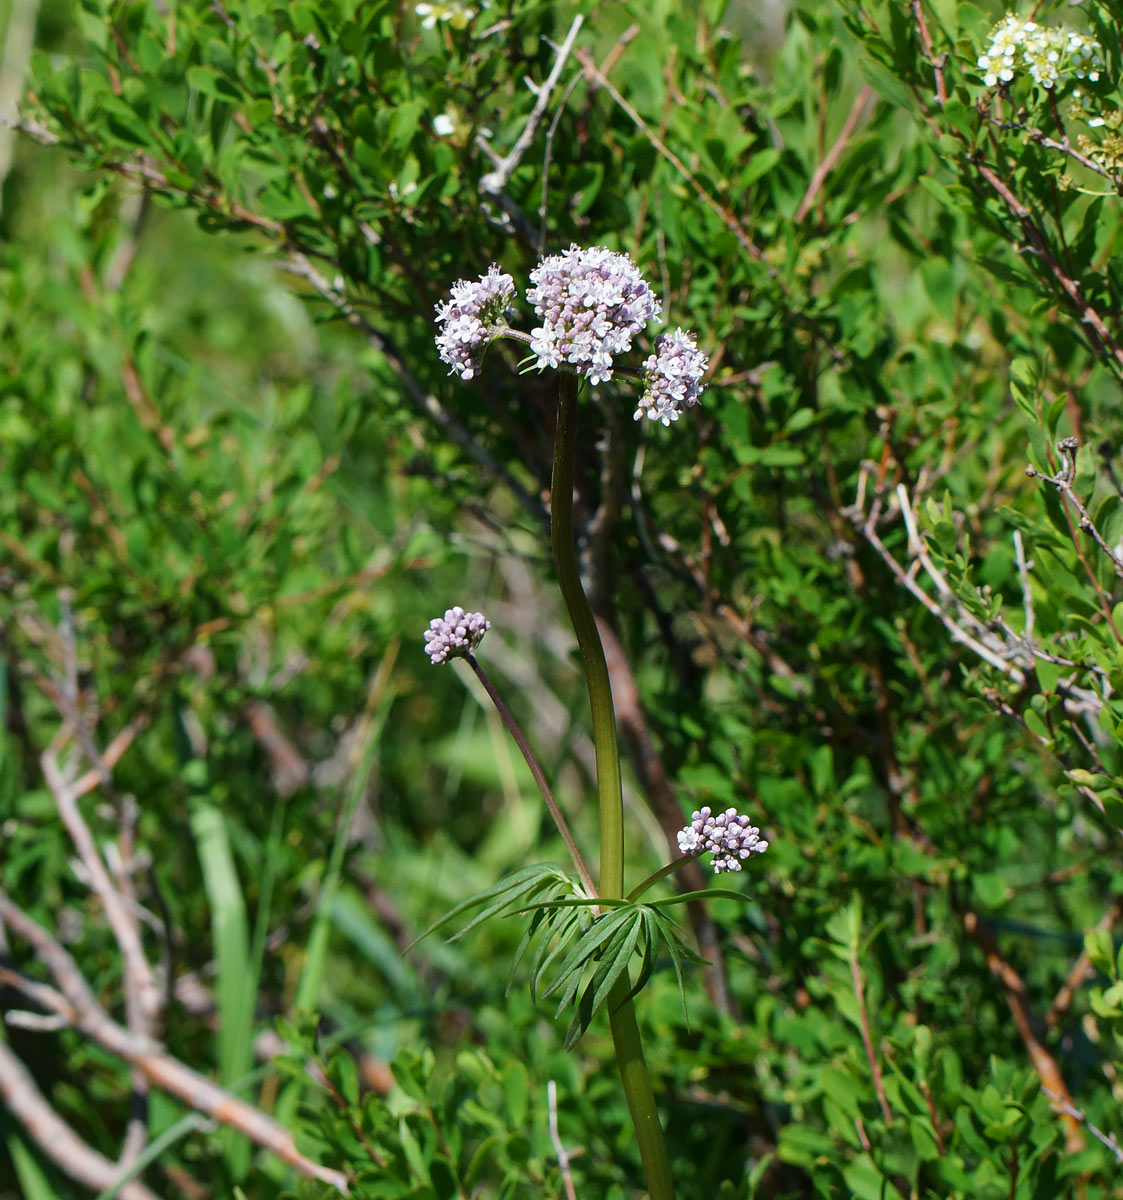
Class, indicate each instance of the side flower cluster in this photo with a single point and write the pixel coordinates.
(471, 318)
(672, 378)
(1047, 54)
(728, 837)
(591, 304)
(455, 635)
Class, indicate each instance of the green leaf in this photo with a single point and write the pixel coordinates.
(886, 84)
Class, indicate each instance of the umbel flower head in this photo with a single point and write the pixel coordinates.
(471, 318)
(672, 378)
(728, 837)
(591, 304)
(455, 635)
(1047, 54)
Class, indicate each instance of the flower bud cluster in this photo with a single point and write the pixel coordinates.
(591, 304)
(455, 635)
(672, 378)
(471, 318)
(728, 837)
(1047, 54)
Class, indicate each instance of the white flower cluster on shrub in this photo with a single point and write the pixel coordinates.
(1049, 55)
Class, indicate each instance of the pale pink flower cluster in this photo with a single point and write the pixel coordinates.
(672, 378)
(471, 318)
(455, 635)
(728, 837)
(591, 304)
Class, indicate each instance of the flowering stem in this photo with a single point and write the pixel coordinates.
(588, 641)
(539, 778)
(676, 864)
(622, 1014)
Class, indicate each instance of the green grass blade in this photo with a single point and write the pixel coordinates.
(308, 990)
(156, 1147)
(33, 1181)
(235, 982)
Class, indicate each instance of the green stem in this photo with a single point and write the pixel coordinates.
(622, 1013)
(674, 865)
(588, 641)
(637, 1089)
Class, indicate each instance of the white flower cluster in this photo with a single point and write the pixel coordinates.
(728, 837)
(1048, 54)
(470, 319)
(591, 304)
(455, 635)
(672, 378)
(453, 11)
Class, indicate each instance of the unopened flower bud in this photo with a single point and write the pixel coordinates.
(455, 635)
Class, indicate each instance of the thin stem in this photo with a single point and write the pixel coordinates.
(539, 778)
(622, 1013)
(676, 864)
(588, 641)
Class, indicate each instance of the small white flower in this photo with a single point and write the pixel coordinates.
(1048, 55)
(442, 125)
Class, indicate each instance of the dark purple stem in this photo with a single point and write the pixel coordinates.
(539, 778)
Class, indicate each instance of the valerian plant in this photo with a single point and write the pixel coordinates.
(228, 502)
(591, 303)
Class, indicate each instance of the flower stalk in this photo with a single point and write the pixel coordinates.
(539, 776)
(622, 1015)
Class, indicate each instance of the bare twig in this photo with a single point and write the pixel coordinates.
(857, 111)
(142, 995)
(1062, 481)
(495, 181)
(548, 148)
(58, 1142)
(555, 1137)
(1027, 595)
(1064, 1106)
(19, 36)
(75, 1001)
(975, 641)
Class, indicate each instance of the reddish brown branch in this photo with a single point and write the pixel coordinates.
(867, 1040)
(830, 159)
(937, 64)
(724, 214)
(1016, 996)
(1081, 970)
(1076, 298)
